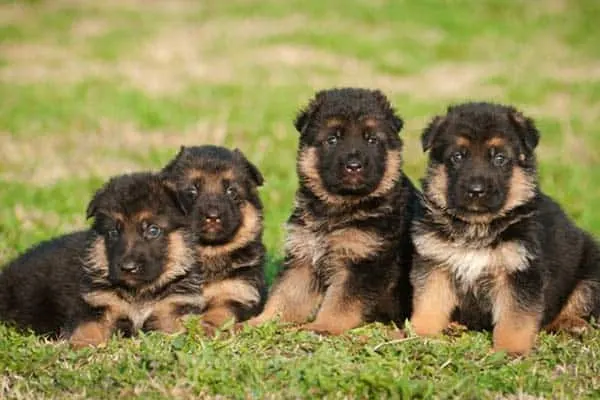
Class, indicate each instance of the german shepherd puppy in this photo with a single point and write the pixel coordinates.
(218, 189)
(132, 270)
(492, 249)
(348, 248)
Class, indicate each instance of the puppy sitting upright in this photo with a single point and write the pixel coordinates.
(132, 270)
(348, 245)
(218, 189)
(492, 249)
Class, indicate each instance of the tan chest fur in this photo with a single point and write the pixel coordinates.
(469, 264)
(331, 249)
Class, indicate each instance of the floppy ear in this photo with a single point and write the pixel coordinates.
(252, 169)
(394, 119)
(173, 194)
(306, 114)
(530, 136)
(432, 130)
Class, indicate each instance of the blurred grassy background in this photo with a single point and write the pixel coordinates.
(90, 89)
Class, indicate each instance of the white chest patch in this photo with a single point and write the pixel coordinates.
(469, 264)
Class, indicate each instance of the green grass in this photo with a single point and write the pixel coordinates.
(91, 89)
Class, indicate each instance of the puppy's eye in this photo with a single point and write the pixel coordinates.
(112, 234)
(192, 192)
(499, 160)
(457, 158)
(372, 139)
(152, 232)
(230, 191)
(332, 140)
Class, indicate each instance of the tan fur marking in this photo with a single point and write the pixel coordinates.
(338, 312)
(578, 307)
(463, 141)
(371, 123)
(521, 189)
(164, 313)
(308, 162)
(248, 231)
(433, 303)
(353, 244)
(497, 141)
(180, 260)
(218, 316)
(96, 260)
(292, 298)
(437, 186)
(144, 215)
(93, 333)
(301, 243)
(333, 123)
(515, 330)
(393, 164)
(231, 289)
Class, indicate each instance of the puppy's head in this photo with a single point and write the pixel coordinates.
(140, 230)
(217, 187)
(349, 144)
(482, 161)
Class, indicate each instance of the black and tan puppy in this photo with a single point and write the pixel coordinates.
(218, 189)
(492, 249)
(348, 248)
(132, 270)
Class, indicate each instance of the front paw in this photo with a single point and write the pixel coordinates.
(321, 329)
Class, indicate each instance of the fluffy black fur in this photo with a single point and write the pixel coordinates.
(218, 188)
(515, 260)
(348, 248)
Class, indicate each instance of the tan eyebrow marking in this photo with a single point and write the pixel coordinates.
(333, 122)
(496, 141)
(463, 141)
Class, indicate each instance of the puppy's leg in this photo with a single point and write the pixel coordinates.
(293, 298)
(229, 299)
(433, 302)
(578, 306)
(92, 333)
(339, 311)
(516, 318)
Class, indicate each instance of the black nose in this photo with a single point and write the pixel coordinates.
(353, 165)
(476, 189)
(213, 215)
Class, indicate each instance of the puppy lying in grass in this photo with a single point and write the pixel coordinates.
(348, 247)
(132, 270)
(217, 188)
(493, 251)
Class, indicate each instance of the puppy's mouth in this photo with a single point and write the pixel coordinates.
(215, 233)
(128, 275)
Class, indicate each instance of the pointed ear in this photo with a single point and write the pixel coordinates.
(94, 204)
(167, 169)
(529, 134)
(383, 102)
(306, 114)
(431, 132)
(252, 169)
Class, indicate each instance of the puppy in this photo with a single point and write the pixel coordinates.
(218, 189)
(492, 249)
(132, 270)
(348, 248)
